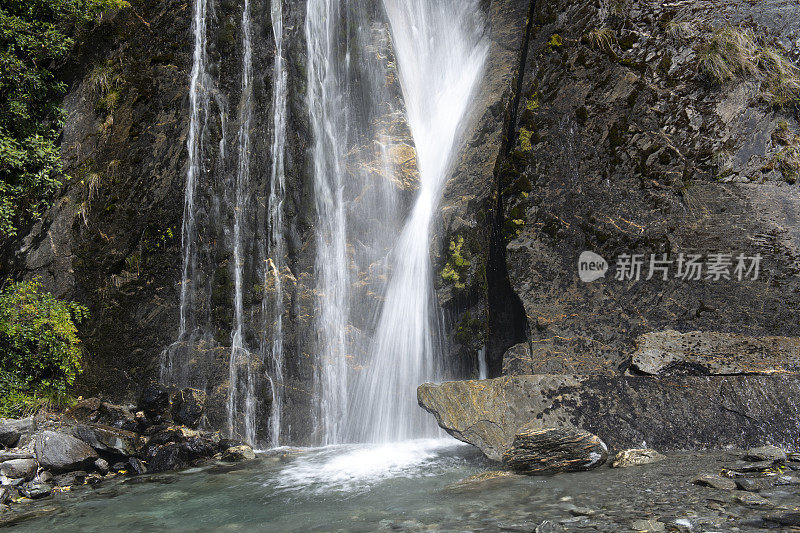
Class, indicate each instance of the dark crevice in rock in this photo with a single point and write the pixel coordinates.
(507, 322)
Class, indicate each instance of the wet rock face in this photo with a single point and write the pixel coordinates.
(188, 406)
(154, 402)
(536, 451)
(623, 146)
(679, 412)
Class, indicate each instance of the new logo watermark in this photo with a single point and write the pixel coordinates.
(591, 266)
(687, 267)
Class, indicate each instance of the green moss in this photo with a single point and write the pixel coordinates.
(724, 174)
(532, 103)
(514, 222)
(634, 65)
(455, 270)
(555, 42)
(525, 139)
(469, 330)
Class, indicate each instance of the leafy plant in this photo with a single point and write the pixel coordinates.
(34, 36)
(40, 351)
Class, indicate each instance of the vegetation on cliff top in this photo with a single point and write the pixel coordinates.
(34, 36)
(40, 351)
(732, 53)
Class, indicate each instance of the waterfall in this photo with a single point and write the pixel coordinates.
(239, 354)
(276, 243)
(174, 359)
(375, 319)
(327, 70)
(483, 368)
(441, 49)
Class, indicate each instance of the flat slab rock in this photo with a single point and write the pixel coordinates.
(550, 450)
(668, 413)
(707, 352)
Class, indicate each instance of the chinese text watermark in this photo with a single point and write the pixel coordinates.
(687, 267)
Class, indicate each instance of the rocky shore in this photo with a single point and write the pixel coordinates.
(95, 441)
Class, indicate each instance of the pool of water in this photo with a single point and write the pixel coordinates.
(410, 486)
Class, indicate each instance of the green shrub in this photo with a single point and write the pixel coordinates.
(35, 35)
(40, 351)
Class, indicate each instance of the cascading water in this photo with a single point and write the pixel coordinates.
(375, 318)
(441, 49)
(239, 353)
(327, 71)
(276, 245)
(174, 359)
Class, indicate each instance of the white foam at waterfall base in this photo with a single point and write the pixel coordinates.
(357, 467)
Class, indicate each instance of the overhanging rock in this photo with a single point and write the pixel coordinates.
(666, 413)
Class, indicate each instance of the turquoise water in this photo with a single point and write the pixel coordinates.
(408, 486)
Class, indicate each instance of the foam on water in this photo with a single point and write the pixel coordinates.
(357, 467)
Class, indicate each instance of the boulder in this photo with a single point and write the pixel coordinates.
(753, 466)
(60, 452)
(35, 490)
(791, 518)
(714, 481)
(154, 402)
(169, 457)
(635, 457)
(238, 453)
(188, 406)
(679, 412)
(538, 450)
(109, 439)
(19, 468)
(11, 430)
(650, 526)
(517, 359)
(5, 494)
(94, 411)
(765, 453)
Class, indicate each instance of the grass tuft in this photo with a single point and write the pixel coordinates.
(601, 38)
